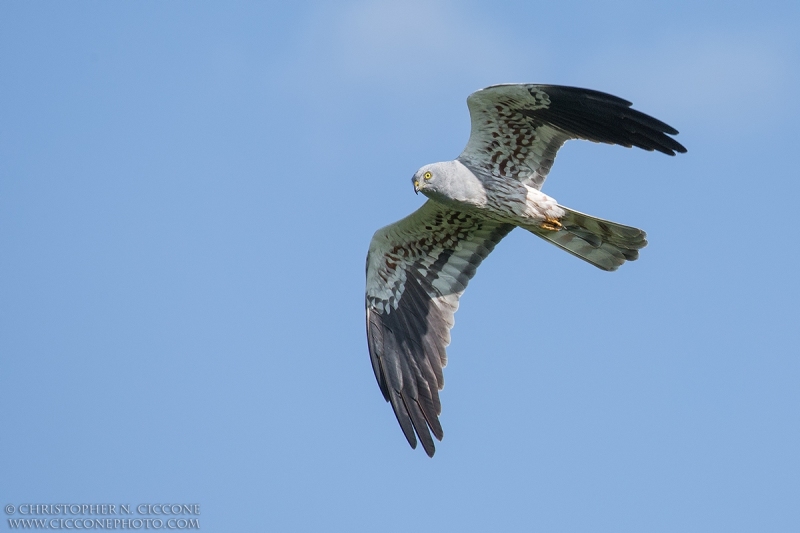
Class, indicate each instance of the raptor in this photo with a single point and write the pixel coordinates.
(418, 267)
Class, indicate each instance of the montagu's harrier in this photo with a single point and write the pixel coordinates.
(418, 267)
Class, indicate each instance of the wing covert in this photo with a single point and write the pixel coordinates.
(417, 268)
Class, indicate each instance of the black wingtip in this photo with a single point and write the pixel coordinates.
(602, 117)
(678, 148)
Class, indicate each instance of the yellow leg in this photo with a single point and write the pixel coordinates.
(552, 224)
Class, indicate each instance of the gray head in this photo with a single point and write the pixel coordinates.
(450, 182)
(438, 179)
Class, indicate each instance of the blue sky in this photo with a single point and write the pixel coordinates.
(187, 194)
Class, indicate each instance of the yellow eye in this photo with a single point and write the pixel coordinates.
(427, 175)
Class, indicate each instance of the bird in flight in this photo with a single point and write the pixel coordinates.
(418, 267)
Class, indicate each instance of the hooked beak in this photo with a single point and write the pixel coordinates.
(416, 186)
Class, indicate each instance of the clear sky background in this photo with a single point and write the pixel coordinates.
(187, 194)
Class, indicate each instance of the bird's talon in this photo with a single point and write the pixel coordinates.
(552, 224)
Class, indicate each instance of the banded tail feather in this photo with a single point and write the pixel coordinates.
(605, 244)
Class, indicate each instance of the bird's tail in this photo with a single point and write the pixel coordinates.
(600, 242)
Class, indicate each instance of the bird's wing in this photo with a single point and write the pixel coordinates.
(417, 268)
(517, 129)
